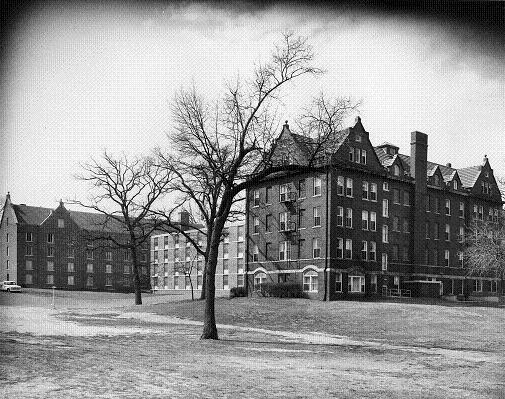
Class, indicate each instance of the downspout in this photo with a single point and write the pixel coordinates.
(246, 263)
(326, 296)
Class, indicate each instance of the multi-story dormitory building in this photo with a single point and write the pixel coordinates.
(369, 221)
(42, 247)
(174, 260)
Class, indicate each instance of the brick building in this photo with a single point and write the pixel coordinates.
(174, 261)
(368, 220)
(42, 247)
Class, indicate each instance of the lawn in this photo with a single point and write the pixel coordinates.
(102, 346)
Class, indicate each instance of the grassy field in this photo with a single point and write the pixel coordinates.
(101, 346)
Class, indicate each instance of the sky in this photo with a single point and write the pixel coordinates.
(76, 80)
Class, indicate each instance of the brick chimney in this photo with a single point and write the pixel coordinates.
(184, 219)
(418, 171)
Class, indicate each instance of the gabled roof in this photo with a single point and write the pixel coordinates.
(31, 214)
(96, 222)
(469, 175)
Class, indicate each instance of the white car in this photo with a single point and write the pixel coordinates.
(10, 286)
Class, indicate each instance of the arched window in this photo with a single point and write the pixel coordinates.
(259, 278)
(396, 170)
(310, 281)
(436, 180)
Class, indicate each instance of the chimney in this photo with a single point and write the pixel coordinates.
(184, 219)
(418, 166)
(448, 164)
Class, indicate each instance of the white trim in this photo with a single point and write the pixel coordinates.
(261, 269)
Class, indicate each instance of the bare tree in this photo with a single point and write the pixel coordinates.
(219, 151)
(124, 190)
(485, 249)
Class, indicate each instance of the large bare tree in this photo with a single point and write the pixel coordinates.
(485, 249)
(220, 150)
(124, 189)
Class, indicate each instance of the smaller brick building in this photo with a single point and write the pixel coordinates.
(42, 247)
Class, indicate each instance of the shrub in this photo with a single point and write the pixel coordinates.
(282, 290)
(236, 292)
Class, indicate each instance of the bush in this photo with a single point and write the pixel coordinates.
(282, 290)
(236, 292)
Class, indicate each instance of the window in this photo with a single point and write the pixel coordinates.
(268, 223)
(363, 157)
(338, 282)
(284, 250)
(348, 218)
(364, 220)
(50, 266)
(70, 252)
(225, 283)
(50, 250)
(427, 202)
(447, 232)
(29, 265)
(494, 286)
(396, 223)
(364, 250)
(50, 238)
(394, 249)
(176, 240)
(385, 187)
(373, 283)
(268, 250)
(29, 250)
(340, 248)
(385, 233)
(364, 191)
(89, 254)
(447, 257)
(436, 180)
(126, 269)
(108, 255)
(426, 256)
(340, 185)
(165, 242)
(396, 170)
(351, 154)
(477, 285)
(7, 237)
(108, 281)
(29, 237)
(317, 217)
(340, 216)
(240, 233)
(448, 207)
(475, 211)
(435, 231)
(435, 257)
(7, 266)
(316, 249)
(28, 279)
(255, 253)
(108, 269)
(256, 224)
(268, 194)
(89, 268)
(7, 251)
(226, 250)
(283, 192)
(176, 282)
(49, 279)
(385, 208)
(155, 256)
(373, 221)
(348, 187)
(70, 267)
(384, 261)
(373, 192)
(240, 280)
(356, 284)
(256, 198)
(302, 190)
(317, 187)
(461, 234)
(348, 248)
(310, 283)
(406, 227)
(406, 198)
(259, 278)
(301, 218)
(240, 250)
(61, 223)
(89, 281)
(372, 255)
(396, 196)
(427, 228)
(437, 205)
(455, 184)
(405, 254)
(481, 212)
(155, 243)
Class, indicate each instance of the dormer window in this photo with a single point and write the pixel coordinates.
(396, 170)
(455, 184)
(436, 180)
(358, 138)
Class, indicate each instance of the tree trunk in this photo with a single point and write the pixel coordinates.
(209, 318)
(136, 278)
(204, 283)
(191, 284)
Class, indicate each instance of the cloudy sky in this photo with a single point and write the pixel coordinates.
(76, 80)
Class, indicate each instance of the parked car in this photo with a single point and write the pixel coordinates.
(10, 286)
